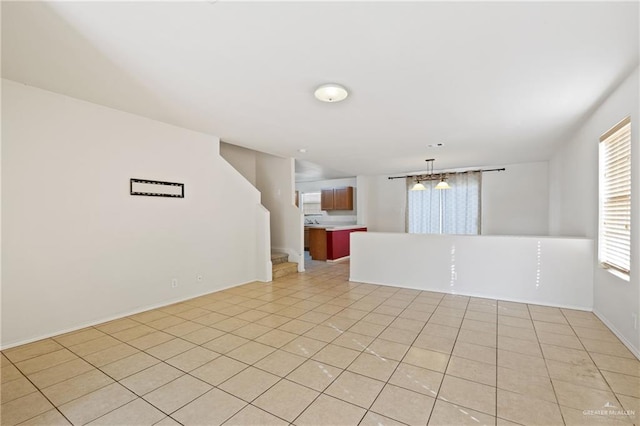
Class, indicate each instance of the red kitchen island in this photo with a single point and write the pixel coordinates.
(331, 243)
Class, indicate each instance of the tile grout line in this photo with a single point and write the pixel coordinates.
(115, 381)
(591, 358)
(144, 369)
(449, 360)
(409, 346)
(397, 316)
(555, 394)
(345, 369)
(362, 351)
(327, 343)
(399, 361)
(300, 289)
(239, 372)
(78, 375)
(229, 378)
(125, 387)
(280, 379)
(162, 361)
(38, 390)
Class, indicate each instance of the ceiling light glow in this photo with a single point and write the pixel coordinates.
(331, 92)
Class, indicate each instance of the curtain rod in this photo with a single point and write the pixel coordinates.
(439, 174)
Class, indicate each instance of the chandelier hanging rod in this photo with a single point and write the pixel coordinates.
(438, 175)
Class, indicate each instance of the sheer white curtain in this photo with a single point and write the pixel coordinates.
(445, 211)
(423, 209)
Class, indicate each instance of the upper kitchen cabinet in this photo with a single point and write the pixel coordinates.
(337, 198)
(343, 198)
(327, 200)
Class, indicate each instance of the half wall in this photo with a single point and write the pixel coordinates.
(538, 270)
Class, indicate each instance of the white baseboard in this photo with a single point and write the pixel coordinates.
(619, 335)
(470, 294)
(341, 259)
(635, 351)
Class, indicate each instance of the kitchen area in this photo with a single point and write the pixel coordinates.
(329, 218)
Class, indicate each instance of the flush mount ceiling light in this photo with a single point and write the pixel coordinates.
(331, 92)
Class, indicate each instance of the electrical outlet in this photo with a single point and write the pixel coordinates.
(174, 283)
(635, 321)
(199, 278)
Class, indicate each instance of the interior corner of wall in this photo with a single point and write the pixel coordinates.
(268, 276)
(618, 333)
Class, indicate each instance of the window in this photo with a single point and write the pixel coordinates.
(445, 211)
(311, 203)
(614, 242)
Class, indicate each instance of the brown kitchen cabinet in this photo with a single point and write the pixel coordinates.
(343, 198)
(318, 243)
(326, 199)
(337, 198)
(306, 238)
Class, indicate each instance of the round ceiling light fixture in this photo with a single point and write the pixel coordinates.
(331, 92)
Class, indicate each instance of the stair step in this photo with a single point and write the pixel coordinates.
(283, 269)
(277, 258)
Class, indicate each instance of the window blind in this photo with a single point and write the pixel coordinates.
(614, 243)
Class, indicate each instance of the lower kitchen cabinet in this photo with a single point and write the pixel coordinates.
(306, 238)
(330, 244)
(338, 242)
(318, 243)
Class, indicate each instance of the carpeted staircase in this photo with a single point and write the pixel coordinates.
(281, 266)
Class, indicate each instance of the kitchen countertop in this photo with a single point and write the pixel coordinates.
(334, 227)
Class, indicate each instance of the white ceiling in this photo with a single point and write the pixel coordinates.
(496, 82)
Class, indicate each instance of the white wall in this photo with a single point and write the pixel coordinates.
(382, 203)
(78, 249)
(540, 270)
(275, 179)
(514, 202)
(574, 205)
(242, 159)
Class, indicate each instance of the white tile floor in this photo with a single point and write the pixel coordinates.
(316, 349)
